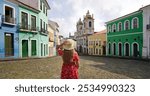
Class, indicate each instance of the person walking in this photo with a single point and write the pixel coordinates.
(70, 60)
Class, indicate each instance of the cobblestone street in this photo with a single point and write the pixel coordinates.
(90, 68)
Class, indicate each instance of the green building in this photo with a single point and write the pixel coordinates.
(28, 31)
(125, 35)
(43, 28)
(33, 34)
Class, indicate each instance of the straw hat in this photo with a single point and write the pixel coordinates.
(69, 45)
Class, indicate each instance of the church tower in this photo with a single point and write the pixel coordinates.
(79, 27)
(84, 27)
(88, 23)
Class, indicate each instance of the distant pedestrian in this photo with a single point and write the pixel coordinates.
(70, 60)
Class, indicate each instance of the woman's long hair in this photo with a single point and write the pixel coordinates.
(68, 56)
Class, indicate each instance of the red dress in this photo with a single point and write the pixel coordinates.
(69, 71)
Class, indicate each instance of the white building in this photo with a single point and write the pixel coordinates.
(84, 29)
(146, 31)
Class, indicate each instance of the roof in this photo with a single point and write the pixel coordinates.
(101, 32)
(53, 24)
(46, 1)
(145, 6)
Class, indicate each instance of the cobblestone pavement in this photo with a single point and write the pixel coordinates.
(90, 68)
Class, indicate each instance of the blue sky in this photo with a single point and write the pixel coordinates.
(67, 12)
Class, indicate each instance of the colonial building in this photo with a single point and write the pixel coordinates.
(125, 35)
(28, 29)
(53, 37)
(146, 31)
(97, 43)
(84, 29)
(9, 36)
(33, 34)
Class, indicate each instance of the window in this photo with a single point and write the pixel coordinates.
(120, 26)
(44, 26)
(46, 11)
(109, 28)
(127, 26)
(114, 27)
(96, 51)
(24, 20)
(41, 4)
(99, 43)
(43, 8)
(135, 23)
(90, 24)
(99, 51)
(41, 24)
(9, 44)
(9, 15)
(109, 48)
(33, 23)
(114, 49)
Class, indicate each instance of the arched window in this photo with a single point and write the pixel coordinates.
(135, 23)
(109, 48)
(127, 49)
(114, 28)
(127, 25)
(109, 28)
(120, 49)
(90, 24)
(114, 49)
(135, 50)
(119, 26)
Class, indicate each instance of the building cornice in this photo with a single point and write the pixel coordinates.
(125, 16)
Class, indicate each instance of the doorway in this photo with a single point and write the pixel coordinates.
(24, 48)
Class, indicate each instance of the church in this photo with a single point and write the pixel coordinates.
(85, 28)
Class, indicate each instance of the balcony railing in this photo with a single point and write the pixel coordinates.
(25, 27)
(44, 32)
(33, 28)
(9, 20)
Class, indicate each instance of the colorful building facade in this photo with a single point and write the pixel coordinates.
(24, 28)
(125, 35)
(9, 36)
(43, 25)
(97, 43)
(28, 30)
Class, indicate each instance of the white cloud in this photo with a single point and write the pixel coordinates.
(68, 13)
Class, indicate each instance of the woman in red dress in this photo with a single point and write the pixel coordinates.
(70, 60)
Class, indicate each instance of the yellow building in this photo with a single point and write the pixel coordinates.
(53, 37)
(97, 43)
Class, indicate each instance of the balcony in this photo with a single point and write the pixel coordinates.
(28, 28)
(9, 20)
(43, 32)
(24, 27)
(34, 29)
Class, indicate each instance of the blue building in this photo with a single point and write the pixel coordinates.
(9, 46)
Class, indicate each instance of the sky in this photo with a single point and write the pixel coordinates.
(67, 12)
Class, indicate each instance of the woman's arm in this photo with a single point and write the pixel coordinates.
(61, 45)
